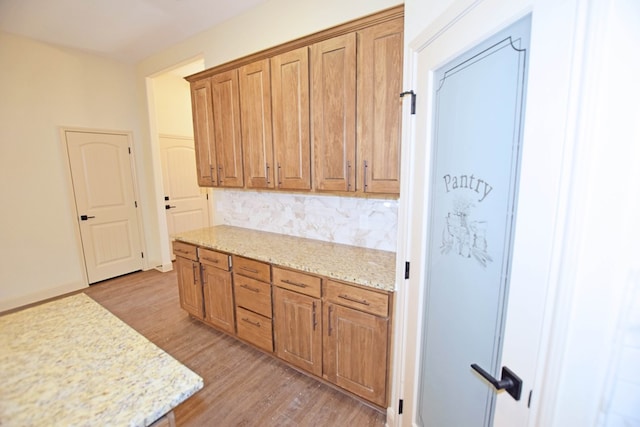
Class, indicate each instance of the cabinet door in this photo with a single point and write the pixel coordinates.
(355, 352)
(203, 132)
(255, 107)
(298, 333)
(218, 298)
(379, 107)
(290, 107)
(225, 95)
(333, 111)
(189, 286)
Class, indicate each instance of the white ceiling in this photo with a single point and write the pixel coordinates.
(124, 30)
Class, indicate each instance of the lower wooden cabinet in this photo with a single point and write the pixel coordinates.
(217, 290)
(333, 330)
(355, 352)
(189, 285)
(298, 329)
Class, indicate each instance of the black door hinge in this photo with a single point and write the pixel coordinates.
(400, 407)
(413, 99)
(135, 202)
(142, 254)
(406, 270)
(129, 148)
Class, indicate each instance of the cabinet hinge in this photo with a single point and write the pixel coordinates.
(413, 99)
(135, 202)
(529, 401)
(406, 270)
(400, 406)
(129, 148)
(142, 254)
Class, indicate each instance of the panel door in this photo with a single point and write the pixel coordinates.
(186, 203)
(189, 286)
(380, 53)
(202, 108)
(333, 111)
(298, 329)
(218, 298)
(106, 205)
(355, 352)
(290, 108)
(257, 140)
(225, 95)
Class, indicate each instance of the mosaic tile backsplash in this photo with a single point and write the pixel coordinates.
(368, 223)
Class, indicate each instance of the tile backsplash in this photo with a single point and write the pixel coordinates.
(369, 223)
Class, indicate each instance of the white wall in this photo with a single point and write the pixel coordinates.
(42, 88)
(173, 105)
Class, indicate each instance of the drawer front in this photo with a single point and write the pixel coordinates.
(297, 282)
(361, 299)
(185, 250)
(255, 329)
(214, 258)
(252, 294)
(251, 268)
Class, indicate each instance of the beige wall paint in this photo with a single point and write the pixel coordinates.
(45, 87)
(173, 105)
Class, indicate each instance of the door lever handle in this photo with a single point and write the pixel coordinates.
(510, 382)
(85, 217)
(169, 207)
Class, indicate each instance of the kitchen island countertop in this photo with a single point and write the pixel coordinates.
(367, 267)
(72, 362)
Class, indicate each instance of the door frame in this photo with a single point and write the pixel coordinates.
(72, 198)
(409, 302)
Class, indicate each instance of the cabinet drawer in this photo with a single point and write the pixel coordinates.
(185, 250)
(251, 268)
(252, 294)
(297, 282)
(254, 328)
(361, 299)
(213, 258)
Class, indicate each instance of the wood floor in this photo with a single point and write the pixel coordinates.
(242, 386)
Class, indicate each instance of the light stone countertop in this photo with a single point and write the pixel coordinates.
(367, 267)
(71, 362)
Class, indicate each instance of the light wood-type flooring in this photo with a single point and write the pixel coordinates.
(242, 386)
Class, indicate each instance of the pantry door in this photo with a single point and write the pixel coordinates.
(105, 199)
(186, 204)
(485, 169)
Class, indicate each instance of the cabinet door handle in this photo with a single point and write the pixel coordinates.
(315, 321)
(348, 175)
(366, 167)
(251, 270)
(289, 282)
(329, 328)
(268, 173)
(203, 270)
(244, 285)
(279, 180)
(244, 319)
(195, 273)
(213, 176)
(356, 300)
(220, 174)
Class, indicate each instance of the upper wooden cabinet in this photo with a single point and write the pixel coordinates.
(217, 136)
(255, 109)
(290, 107)
(380, 49)
(333, 113)
(320, 113)
(225, 96)
(202, 110)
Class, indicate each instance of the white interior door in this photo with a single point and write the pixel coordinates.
(106, 205)
(461, 274)
(186, 204)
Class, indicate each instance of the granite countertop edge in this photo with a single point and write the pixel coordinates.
(371, 268)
